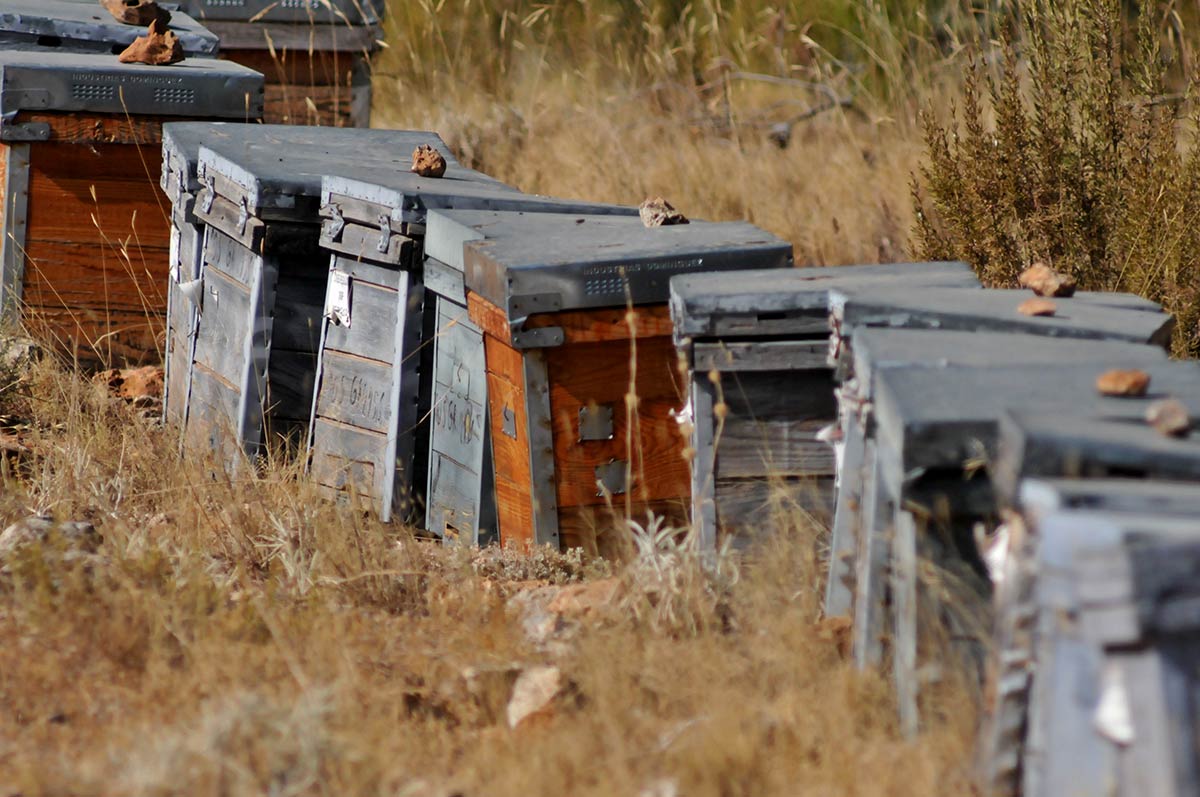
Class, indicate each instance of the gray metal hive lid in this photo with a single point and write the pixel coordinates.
(1112, 316)
(706, 304)
(76, 26)
(181, 142)
(939, 417)
(319, 12)
(1036, 443)
(65, 82)
(544, 262)
(886, 347)
(276, 171)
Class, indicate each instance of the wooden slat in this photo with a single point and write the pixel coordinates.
(515, 513)
(95, 128)
(224, 327)
(488, 317)
(514, 503)
(760, 355)
(355, 391)
(773, 448)
(297, 68)
(755, 508)
(372, 330)
(348, 458)
(331, 106)
(606, 324)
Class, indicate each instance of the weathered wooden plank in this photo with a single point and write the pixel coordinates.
(212, 410)
(229, 257)
(372, 330)
(348, 459)
(355, 391)
(783, 395)
(747, 448)
(760, 355)
(752, 509)
(226, 323)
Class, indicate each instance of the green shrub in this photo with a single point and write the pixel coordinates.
(1074, 151)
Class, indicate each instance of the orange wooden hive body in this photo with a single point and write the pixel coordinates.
(85, 252)
(582, 373)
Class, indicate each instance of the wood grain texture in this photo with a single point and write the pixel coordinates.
(506, 396)
(99, 128)
(355, 391)
(298, 69)
(599, 374)
(488, 317)
(773, 448)
(754, 509)
(97, 266)
(606, 324)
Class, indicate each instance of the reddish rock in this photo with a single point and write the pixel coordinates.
(1037, 307)
(1130, 383)
(1045, 281)
(135, 385)
(137, 12)
(1169, 417)
(158, 47)
(658, 212)
(581, 600)
(428, 162)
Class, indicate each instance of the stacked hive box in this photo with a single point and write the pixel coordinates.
(398, 415)
(1098, 639)
(85, 228)
(930, 430)
(78, 26)
(761, 388)
(315, 54)
(581, 372)
(263, 274)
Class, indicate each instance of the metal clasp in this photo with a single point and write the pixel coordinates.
(385, 233)
(210, 193)
(337, 222)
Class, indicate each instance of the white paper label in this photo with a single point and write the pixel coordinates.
(175, 264)
(337, 302)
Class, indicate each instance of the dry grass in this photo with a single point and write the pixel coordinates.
(246, 637)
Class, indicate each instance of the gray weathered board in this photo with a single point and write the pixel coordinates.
(459, 505)
(757, 331)
(1114, 652)
(788, 303)
(1035, 444)
(346, 41)
(75, 26)
(89, 82)
(365, 409)
(1107, 316)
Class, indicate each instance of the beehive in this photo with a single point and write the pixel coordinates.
(86, 230)
(760, 385)
(583, 391)
(264, 275)
(420, 441)
(86, 27)
(315, 54)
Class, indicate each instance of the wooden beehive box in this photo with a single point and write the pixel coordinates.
(86, 27)
(86, 231)
(380, 449)
(756, 346)
(264, 275)
(315, 54)
(1100, 702)
(582, 377)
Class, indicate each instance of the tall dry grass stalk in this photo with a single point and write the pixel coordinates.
(243, 637)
